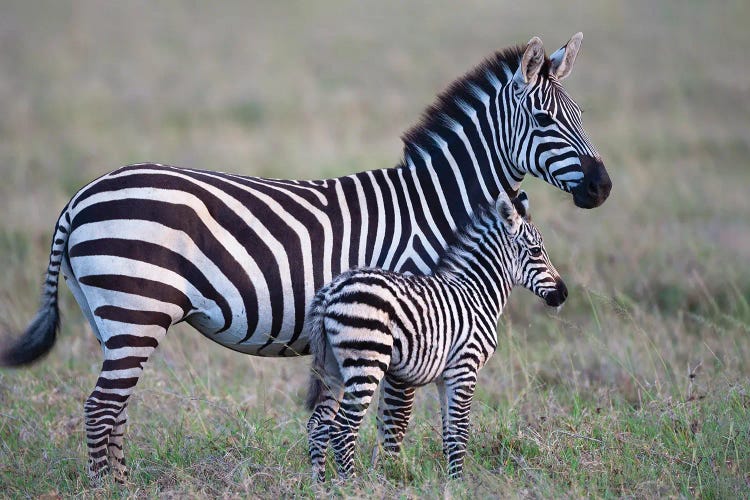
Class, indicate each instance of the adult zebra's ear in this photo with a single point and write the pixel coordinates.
(531, 62)
(521, 204)
(508, 214)
(563, 58)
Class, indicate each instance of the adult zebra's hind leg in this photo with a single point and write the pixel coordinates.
(115, 453)
(105, 409)
(394, 413)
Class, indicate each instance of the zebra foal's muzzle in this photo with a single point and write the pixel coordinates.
(557, 296)
(595, 186)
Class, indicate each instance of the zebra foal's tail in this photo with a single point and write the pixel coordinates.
(318, 341)
(39, 336)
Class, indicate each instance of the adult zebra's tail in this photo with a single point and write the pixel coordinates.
(39, 336)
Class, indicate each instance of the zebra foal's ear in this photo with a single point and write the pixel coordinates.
(508, 214)
(564, 57)
(521, 204)
(531, 62)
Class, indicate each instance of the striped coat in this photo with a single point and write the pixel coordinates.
(371, 323)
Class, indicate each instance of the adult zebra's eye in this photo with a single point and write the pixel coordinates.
(544, 119)
(535, 251)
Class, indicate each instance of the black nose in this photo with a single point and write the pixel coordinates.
(600, 185)
(595, 185)
(558, 295)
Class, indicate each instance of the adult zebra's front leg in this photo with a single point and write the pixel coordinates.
(126, 349)
(394, 413)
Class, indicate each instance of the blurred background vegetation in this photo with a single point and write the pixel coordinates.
(648, 358)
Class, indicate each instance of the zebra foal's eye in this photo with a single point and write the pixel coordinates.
(535, 251)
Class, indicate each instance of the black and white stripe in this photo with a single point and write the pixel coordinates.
(369, 324)
(239, 258)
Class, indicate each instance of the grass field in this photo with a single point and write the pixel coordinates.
(639, 387)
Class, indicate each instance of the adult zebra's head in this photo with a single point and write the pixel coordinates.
(532, 267)
(547, 137)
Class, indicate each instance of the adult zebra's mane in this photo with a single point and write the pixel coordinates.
(463, 89)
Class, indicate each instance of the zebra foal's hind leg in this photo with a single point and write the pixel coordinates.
(319, 429)
(105, 409)
(359, 388)
(394, 413)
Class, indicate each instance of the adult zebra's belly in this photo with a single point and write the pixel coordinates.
(237, 257)
(286, 344)
(142, 265)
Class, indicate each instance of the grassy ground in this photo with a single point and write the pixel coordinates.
(639, 387)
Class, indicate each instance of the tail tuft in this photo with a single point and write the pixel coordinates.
(314, 392)
(37, 340)
(40, 335)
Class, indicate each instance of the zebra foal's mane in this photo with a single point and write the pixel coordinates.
(476, 230)
(468, 236)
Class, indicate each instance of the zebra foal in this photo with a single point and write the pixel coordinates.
(371, 323)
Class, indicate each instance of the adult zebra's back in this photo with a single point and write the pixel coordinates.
(239, 258)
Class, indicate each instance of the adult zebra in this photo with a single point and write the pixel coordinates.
(239, 258)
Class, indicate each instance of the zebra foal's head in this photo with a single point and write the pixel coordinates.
(531, 264)
(550, 142)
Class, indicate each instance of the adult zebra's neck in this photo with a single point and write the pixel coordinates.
(457, 159)
(462, 145)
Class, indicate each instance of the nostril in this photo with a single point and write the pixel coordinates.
(594, 188)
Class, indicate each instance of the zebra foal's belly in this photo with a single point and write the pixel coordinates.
(418, 361)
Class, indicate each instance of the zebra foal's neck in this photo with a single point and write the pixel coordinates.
(482, 258)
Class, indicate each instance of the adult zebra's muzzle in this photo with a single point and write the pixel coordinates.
(595, 186)
(557, 296)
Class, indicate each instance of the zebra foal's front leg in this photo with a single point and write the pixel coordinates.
(456, 409)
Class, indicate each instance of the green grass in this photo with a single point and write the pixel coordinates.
(639, 387)
(189, 439)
